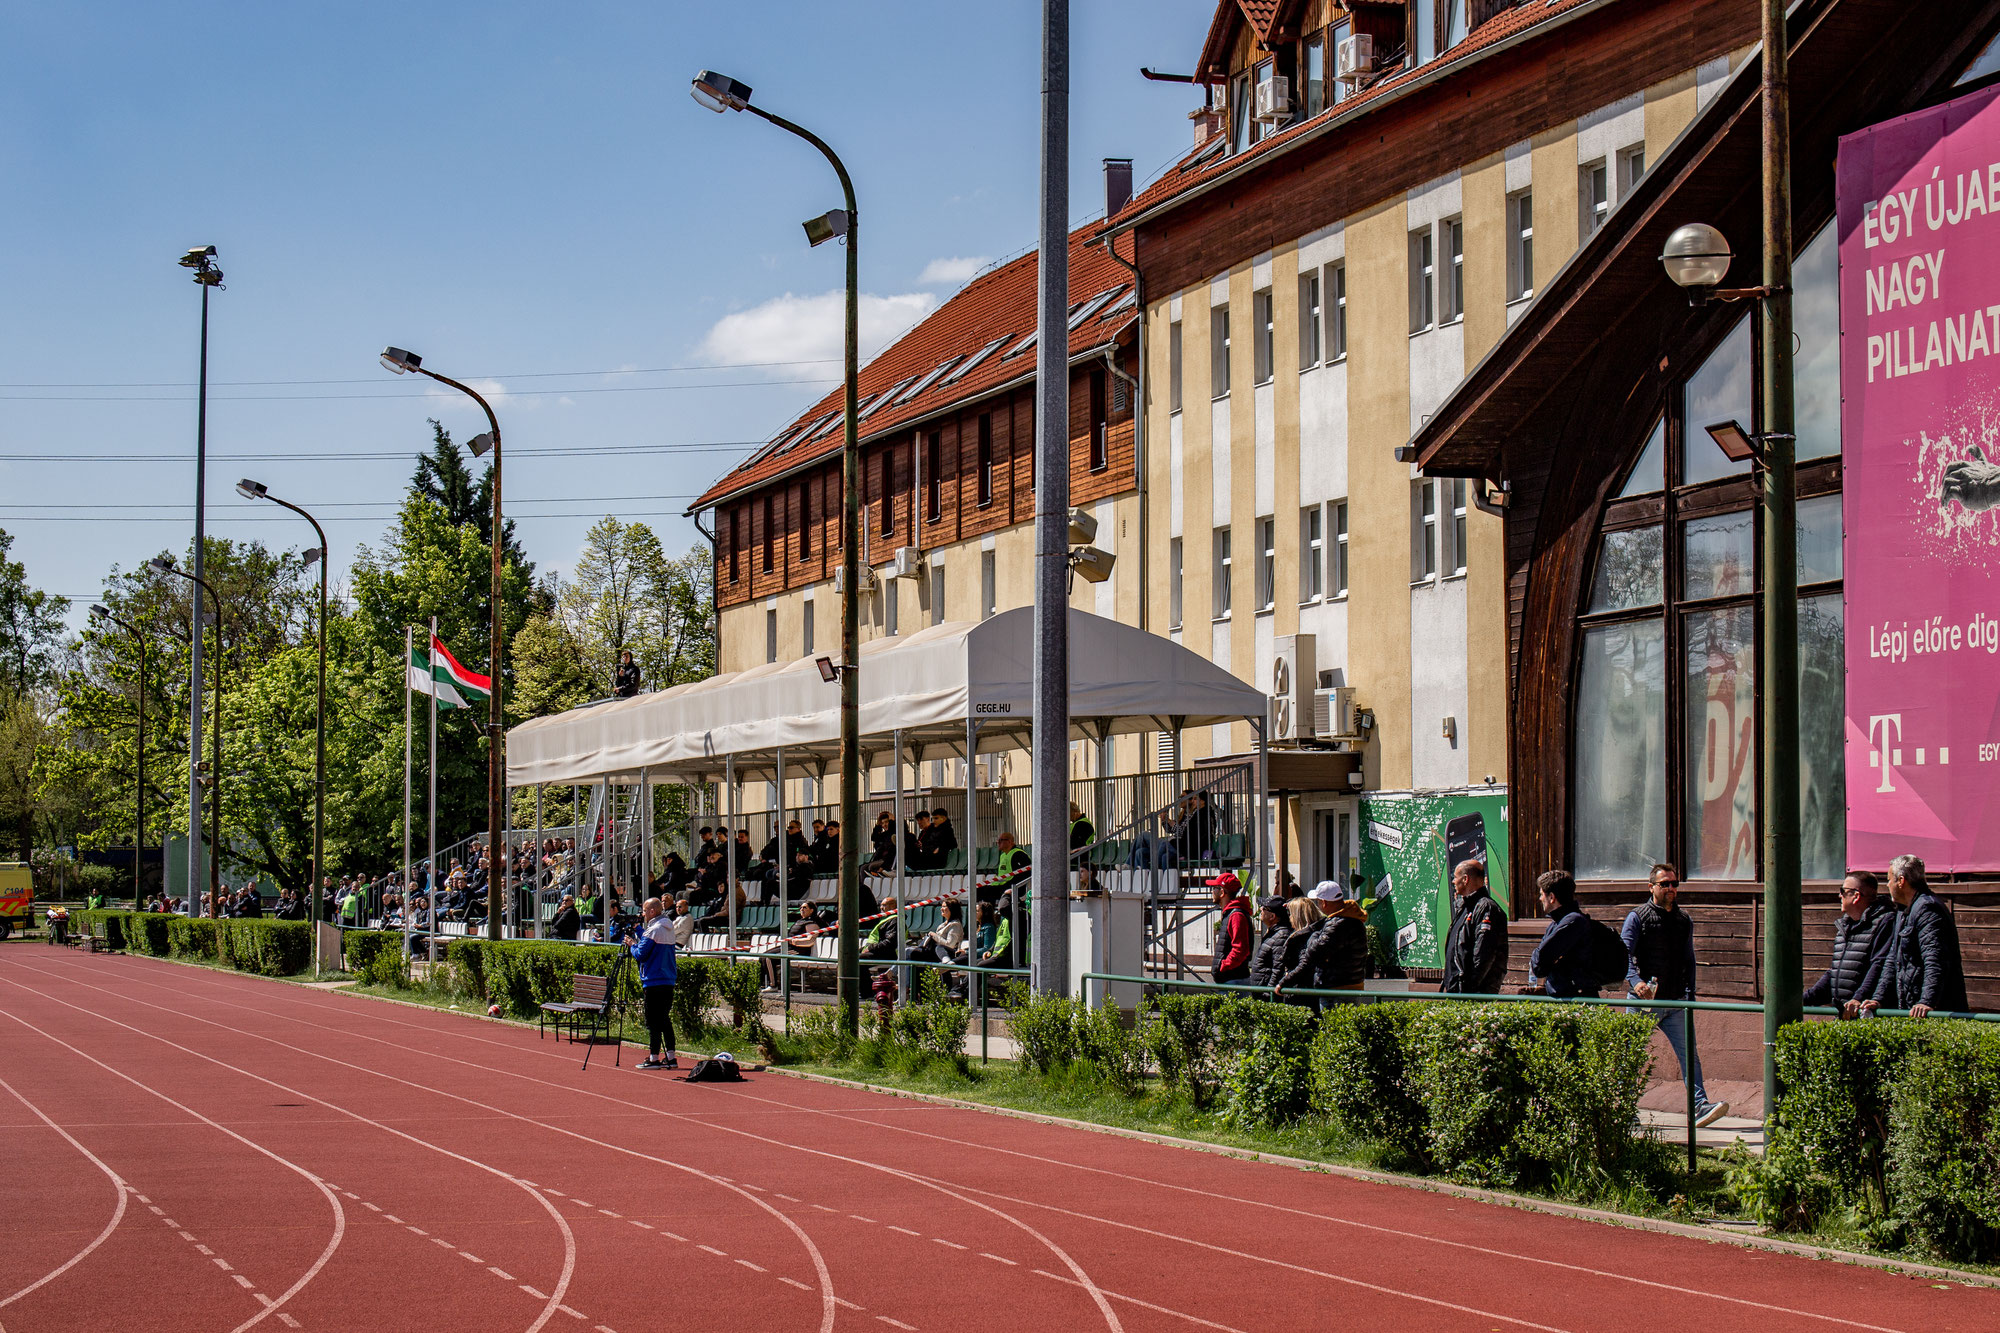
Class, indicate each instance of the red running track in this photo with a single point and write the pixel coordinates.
(210, 1151)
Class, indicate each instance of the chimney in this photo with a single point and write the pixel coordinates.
(1117, 184)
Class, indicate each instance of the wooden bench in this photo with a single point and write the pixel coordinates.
(590, 997)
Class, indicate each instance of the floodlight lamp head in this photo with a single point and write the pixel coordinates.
(400, 361)
(1736, 443)
(828, 672)
(480, 444)
(1094, 565)
(719, 92)
(99, 611)
(252, 490)
(1082, 527)
(1696, 256)
(163, 563)
(198, 257)
(826, 227)
(309, 555)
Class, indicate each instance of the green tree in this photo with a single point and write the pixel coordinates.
(627, 596)
(31, 625)
(443, 478)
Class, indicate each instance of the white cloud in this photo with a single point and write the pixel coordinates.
(952, 271)
(810, 328)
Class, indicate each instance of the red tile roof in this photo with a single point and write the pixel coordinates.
(1189, 174)
(1263, 16)
(997, 306)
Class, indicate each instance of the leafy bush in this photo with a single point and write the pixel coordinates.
(1186, 1041)
(362, 946)
(1267, 1079)
(191, 937)
(1043, 1028)
(820, 1032)
(933, 1028)
(1109, 1045)
(386, 967)
(694, 994)
(1944, 1138)
(268, 948)
(1360, 1078)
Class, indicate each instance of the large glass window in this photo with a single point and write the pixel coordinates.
(1816, 362)
(1717, 392)
(1719, 556)
(1819, 539)
(1719, 736)
(1631, 570)
(1822, 748)
(1621, 761)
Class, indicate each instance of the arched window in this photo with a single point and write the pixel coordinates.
(1665, 750)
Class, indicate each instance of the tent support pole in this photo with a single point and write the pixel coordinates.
(902, 945)
(782, 952)
(535, 896)
(1263, 725)
(972, 978)
(729, 843)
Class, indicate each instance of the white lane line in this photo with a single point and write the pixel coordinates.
(500, 1273)
(905, 1230)
(1157, 1309)
(391, 1217)
(579, 1202)
(752, 1267)
(748, 1186)
(538, 1295)
(671, 1236)
(788, 1198)
(262, 1297)
(157, 1211)
(842, 1301)
(223, 1264)
(470, 1256)
(142, 1198)
(169, 1221)
(374, 1207)
(859, 1218)
(573, 1314)
(794, 1282)
(998, 1259)
(185, 1236)
(440, 1240)
(896, 1323)
(199, 1246)
(414, 1227)
(608, 1213)
(712, 1250)
(287, 1320)
(942, 1241)
(637, 1223)
(243, 1282)
(824, 1209)
(602, 1329)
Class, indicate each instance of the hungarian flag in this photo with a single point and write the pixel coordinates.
(450, 675)
(422, 681)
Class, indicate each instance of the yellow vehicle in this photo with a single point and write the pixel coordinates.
(17, 896)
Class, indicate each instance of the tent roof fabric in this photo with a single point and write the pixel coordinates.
(1122, 679)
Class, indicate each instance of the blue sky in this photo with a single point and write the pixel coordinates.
(517, 192)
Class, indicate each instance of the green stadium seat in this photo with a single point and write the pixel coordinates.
(989, 860)
(954, 861)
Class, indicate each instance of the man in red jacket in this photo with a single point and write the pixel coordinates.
(1232, 929)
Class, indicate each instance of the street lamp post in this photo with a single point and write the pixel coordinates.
(165, 564)
(207, 275)
(255, 490)
(1696, 257)
(139, 747)
(720, 93)
(404, 363)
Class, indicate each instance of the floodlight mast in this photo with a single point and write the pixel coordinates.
(165, 565)
(139, 750)
(207, 276)
(719, 93)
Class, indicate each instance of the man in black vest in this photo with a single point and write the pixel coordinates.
(1924, 971)
(1659, 938)
(1861, 940)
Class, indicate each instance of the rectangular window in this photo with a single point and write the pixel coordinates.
(1309, 320)
(1631, 168)
(1335, 35)
(1423, 281)
(984, 472)
(1451, 278)
(888, 492)
(806, 630)
(805, 520)
(1719, 739)
(1312, 553)
(937, 592)
(1218, 351)
(1174, 583)
(771, 634)
(986, 584)
(1221, 573)
(1621, 751)
(1520, 246)
(1426, 47)
(1100, 424)
(1423, 530)
(1260, 74)
(735, 544)
(1336, 324)
(1593, 197)
(1174, 366)
(1260, 315)
(1339, 508)
(1455, 534)
(1267, 563)
(1239, 113)
(891, 605)
(1312, 74)
(770, 534)
(934, 476)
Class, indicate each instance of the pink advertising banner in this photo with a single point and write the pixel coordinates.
(1919, 214)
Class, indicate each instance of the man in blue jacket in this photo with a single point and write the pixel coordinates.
(1924, 970)
(653, 948)
(1560, 964)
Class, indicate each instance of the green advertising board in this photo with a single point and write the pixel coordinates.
(1410, 844)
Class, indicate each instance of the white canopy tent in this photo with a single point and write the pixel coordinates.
(925, 686)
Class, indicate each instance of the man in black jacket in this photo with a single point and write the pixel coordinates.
(1659, 944)
(1560, 964)
(1923, 971)
(1861, 940)
(625, 681)
(1336, 957)
(1475, 950)
(1265, 964)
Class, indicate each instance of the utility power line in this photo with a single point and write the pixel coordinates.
(421, 393)
(377, 379)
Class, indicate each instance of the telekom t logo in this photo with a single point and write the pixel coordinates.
(1880, 724)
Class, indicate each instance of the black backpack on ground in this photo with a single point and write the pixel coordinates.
(721, 1069)
(1606, 960)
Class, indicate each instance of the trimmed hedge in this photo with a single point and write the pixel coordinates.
(1892, 1125)
(519, 975)
(268, 948)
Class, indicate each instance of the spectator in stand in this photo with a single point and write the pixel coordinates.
(1013, 868)
(944, 837)
(799, 941)
(826, 850)
(916, 855)
(817, 843)
(1861, 939)
(566, 922)
(352, 909)
(882, 840)
(1923, 971)
(742, 851)
(249, 905)
(1271, 949)
(993, 940)
(1232, 930)
(1560, 964)
(625, 680)
(1659, 941)
(653, 947)
(1194, 834)
(711, 877)
(1336, 956)
(1475, 949)
(673, 877)
(683, 924)
(706, 845)
(1081, 831)
(881, 941)
(1155, 851)
(791, 847)
(942, 944)
(719, 918)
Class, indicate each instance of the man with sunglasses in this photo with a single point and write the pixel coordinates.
(1862, 935)
(1659, 937)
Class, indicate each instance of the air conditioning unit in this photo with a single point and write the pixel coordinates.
(840, 580)
(1354, 58)
(908, 564)
(1333, 714)
(1274, 99)
(1293, 674)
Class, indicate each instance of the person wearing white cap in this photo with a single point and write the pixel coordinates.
(1336, 957)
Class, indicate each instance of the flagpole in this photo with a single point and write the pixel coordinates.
(430, 853)
(407, 647)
